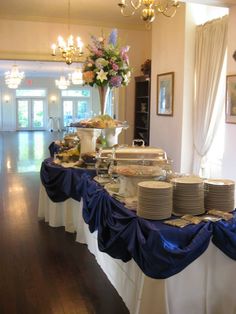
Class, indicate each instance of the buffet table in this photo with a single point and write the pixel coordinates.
(154, 267)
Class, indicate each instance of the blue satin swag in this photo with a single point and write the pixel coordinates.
(159, 250)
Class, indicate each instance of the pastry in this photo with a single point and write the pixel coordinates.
(99, 122)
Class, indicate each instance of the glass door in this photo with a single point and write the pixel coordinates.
(75, 110)
(37, 110)
(30, 114)
(82, 109)
(68, 112)
(23, 116)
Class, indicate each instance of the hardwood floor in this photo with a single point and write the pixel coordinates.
(42, 269)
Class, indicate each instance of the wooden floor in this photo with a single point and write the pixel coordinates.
(42, 269)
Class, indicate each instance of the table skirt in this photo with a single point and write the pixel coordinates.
(206, 286)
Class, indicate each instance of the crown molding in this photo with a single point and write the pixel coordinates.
(28, 56)
(19, 55)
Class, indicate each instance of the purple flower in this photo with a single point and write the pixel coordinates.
(115, 67)
(107, 63)
(124, 53)
(115, 81)
(113, 37)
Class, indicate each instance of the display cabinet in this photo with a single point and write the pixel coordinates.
(142, 108)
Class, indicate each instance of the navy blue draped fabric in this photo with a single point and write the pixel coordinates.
(62, 183)
(224, 236)
(160, 250)
(109, 217)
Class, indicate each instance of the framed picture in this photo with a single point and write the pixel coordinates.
(165, 94)
(230, 106)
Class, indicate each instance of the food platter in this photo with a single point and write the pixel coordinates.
(100, 122)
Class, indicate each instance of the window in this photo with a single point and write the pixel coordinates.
(83, 103)
(76, 105)
(30, 93)
(76, 93)
(213, 160)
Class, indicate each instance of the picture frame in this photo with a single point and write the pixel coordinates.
(230, 99)
(165, 94)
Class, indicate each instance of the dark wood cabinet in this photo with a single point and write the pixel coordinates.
(142, 108)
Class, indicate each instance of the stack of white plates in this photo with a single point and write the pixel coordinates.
(219, 194)
(154, 200)
(188, 196)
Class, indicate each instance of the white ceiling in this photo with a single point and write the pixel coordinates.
(38, 68)
(222, 3)
(102, 12)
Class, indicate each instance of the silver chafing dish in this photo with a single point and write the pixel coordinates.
(139, 161)
(133, 164)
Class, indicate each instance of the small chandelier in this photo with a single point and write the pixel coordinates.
(149, 8)
(70, 50)
(62, 83)
(13, 78)
(76, 77)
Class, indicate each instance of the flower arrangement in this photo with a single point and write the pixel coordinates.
(107, 64)
(146, 67)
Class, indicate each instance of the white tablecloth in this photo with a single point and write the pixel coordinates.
(206, 286)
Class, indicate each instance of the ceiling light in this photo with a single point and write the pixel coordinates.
(6, 98)
(62, 83)
(77, 77)
(13, 78)
(69, 49)
(149, 8)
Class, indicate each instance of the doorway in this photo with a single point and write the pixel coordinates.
(76, 110)
(30, 114)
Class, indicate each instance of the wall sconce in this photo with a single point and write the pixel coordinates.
(53, 99)
(6, 98)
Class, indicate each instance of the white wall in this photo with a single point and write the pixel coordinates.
(229, 164)
(173, 45)
(32, 40)
(168, 53)
(8, 113)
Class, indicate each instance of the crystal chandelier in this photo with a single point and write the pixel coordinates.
(149, 8)
(69, 49)
(76, 77)
(62, 83)
(13, 78)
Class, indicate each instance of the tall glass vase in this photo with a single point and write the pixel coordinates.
(103, 95)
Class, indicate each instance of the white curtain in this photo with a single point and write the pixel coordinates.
(211, 42)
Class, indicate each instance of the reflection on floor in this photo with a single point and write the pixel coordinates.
(24, 151)
(42, 269)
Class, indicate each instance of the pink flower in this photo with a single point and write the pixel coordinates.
(115, 67)
(98, 52)
(107, 63)
(124, 53)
